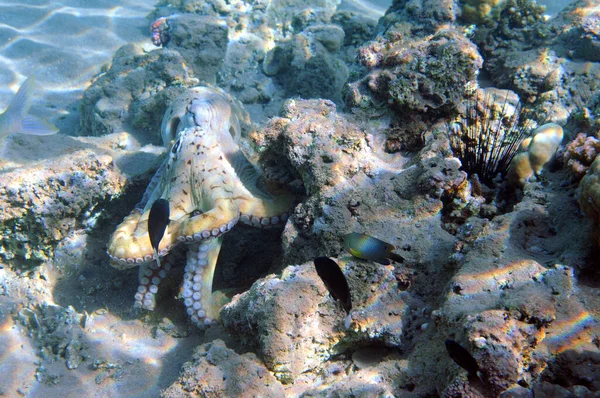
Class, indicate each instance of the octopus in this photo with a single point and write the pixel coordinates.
(211, 186)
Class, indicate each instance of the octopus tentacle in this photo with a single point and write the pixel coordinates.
(212, 223)
(202, 306)
(257, 212)
(210, 186)
(150, 276)
(130, 246)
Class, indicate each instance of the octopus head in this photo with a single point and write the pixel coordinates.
(206, 107)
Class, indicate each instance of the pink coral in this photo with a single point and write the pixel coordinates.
(580, 153)
(160, 32)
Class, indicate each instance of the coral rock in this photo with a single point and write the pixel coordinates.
(217, 371)
(580, 153)
(296, 325)
(589, 197)
(539, 150)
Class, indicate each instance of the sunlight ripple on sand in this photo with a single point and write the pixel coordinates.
(63, 45)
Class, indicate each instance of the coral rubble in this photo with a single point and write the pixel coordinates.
(367, 123)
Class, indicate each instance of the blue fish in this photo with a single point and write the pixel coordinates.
(367, 247)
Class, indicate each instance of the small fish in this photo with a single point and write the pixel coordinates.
(334, 280)
(369, 248)
(15, 118)
(158, 219)
(461, 356)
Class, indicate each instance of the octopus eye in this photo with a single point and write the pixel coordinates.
(232, 131)
(173, 125)
(175, 147)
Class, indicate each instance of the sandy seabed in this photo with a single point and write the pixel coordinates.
(64, 45)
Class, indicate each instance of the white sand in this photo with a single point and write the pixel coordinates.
(63, 44)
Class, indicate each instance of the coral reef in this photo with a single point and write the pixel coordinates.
(546, 62)
(47, 201)
(213, 367)
(514, 283)
(56, 331)
(589, 197)
(134, 92)
(316, 327)
(481, 11)
(580, 153)
(423, 73)
(307, 65)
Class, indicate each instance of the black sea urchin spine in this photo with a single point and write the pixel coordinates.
(487, 142)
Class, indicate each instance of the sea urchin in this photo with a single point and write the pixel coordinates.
(488, 135)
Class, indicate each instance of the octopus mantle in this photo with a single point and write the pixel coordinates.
(210, 186)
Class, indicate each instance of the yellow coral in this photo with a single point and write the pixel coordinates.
(480, 11)
(537, 151)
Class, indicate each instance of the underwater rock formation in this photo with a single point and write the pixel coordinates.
(216, 370)
(489, 298)
(580, 153)
(344, 181)
(48, 200)
(589, 197)
(133, 92)
(481, 11)
(307, 65)
(202, 43)
(314, 326)
(515, 285)
(550, 63)
(430, 73)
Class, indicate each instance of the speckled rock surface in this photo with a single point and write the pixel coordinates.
(511, 312)
(264, 54)
(45, 201)
(580, 153)
(423, 73)
(217, 371)
(589, 197)
(515, 283)
(132, 93)
(307, 65)
(543, 61)
(296, 326)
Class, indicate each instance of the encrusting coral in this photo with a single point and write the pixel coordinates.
(589, 197)
(580, 153)
(538, 150)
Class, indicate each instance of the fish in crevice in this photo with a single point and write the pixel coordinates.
(367, 247)
(334, 280)
(15, 118)
(158, 219)
(462, 357)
